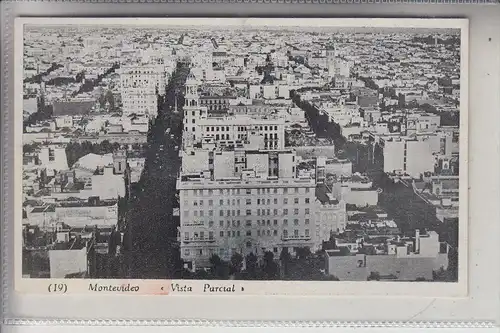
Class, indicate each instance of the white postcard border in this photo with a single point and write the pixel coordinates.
(282, 288)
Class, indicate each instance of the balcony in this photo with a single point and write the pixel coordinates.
(198, 240)
(295, 238)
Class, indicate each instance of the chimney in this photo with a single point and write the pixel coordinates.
(417, 241)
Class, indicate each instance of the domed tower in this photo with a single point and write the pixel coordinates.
(192, 110)
(331, 56)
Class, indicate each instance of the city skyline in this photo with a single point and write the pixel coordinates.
(282, 156)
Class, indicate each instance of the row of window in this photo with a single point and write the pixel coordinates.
(248, 201)
(222, 252)
(248, 212)
(236, 191)
(248, 223)
(217, 101)
(237, 233)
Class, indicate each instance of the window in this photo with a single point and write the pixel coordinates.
(285, 211)
(249, 212)
(221, 192)
(269, 232)
(285, 233)
(307, 232)
(186, 252)
(221, 223)
(249, 191)
(296, 190)
(249, 201)
(200, 252)
(249, 244)
(221, 202)
(221, 213)
(202, 235)
(307, 211)
(275, 222)
(238, 212)
(268, 212)
(307, 189)
(258, 232)
(210, 202)
(296, 211)
(306, 200)
(238, 233)
(210, 213)
(238, 201)
(275, 232)
(296, 233)
(195, 213)
(195, 203)
(51, 155)
(296, 200)
(275, 191)
(249, 233)
(228, 212)
(248, 223)
(234, 233)
(210, 192)
(201, 202)
(258, 201)
(285, 222)
(285, 201)
(186, 235)
(307, 221)
(221, 233)
(201, 213)
(268, 201)
(211, 223)
(258, 211)
(275, 201)
(285, 190)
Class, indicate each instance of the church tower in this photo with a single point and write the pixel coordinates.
(331, 58)
(192, 110)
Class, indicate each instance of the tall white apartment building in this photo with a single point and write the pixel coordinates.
(237, 201)
(266, 130)
(140, 87)
(412, 155)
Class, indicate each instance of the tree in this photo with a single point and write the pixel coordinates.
(251, 265)
(220, 269)
(236, 262)
(110, 99)
(285, 260)
(303, 252)
(374, 276)
(270, 268)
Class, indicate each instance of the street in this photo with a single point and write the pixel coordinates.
(150, 242)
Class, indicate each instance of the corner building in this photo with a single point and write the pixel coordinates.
(261, 207)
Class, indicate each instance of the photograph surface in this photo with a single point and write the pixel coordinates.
(218, 154)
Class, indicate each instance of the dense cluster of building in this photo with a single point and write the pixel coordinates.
(254, 176)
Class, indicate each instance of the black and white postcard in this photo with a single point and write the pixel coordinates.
(241, 156)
